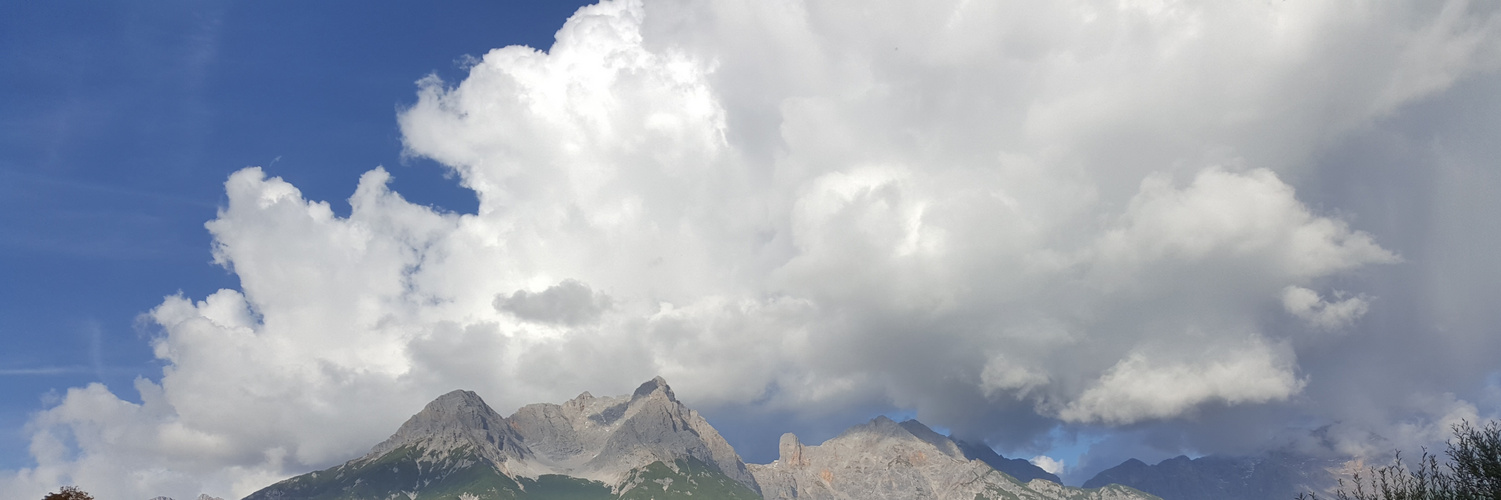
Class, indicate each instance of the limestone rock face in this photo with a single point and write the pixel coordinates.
(884, 459)
(643, 445)
(649, 445)
(453, 421)
(790, 450)
(605, 438)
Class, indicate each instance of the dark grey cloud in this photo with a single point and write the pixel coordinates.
(568, 303)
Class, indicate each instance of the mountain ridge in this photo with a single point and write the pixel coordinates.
(1021, 469)
(649, 446)
(1274, 475)
(885, 459)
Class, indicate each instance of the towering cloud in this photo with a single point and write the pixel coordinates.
(1009, 217)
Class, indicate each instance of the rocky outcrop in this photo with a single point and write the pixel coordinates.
(884, 459)
(790, 451)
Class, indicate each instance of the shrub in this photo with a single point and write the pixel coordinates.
(1472, 472)
(69, 493)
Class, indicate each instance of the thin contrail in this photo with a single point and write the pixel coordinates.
(45, 370)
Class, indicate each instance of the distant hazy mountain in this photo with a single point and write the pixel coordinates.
(1020, 469)
(1276, 476)
(884, 459)
(647, 445)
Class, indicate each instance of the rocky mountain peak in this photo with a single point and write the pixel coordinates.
(653, 387)
(653, 425)
(606, 438)
(879, 426)
(883, 428)
(453, 420)
(649, 445)
(453, 401)
(456, 410)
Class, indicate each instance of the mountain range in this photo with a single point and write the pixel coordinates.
(1279, 475)
(649, 445)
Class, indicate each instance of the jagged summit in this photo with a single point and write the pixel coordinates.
(603, 438)
(603, 447)
(884, 428)
(455, 399)
(654, 386)
(879, 427)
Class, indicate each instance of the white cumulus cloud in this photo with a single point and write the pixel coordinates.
(1140, 387)
(1324, 315)
(1063, 212)
(1048, 464)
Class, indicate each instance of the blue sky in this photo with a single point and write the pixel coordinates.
(1093, 230)
(121, 121)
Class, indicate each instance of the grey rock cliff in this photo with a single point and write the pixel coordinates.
(605, 438)
(650, 445)
(457, 420)
(884, 459)
(587, 447)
